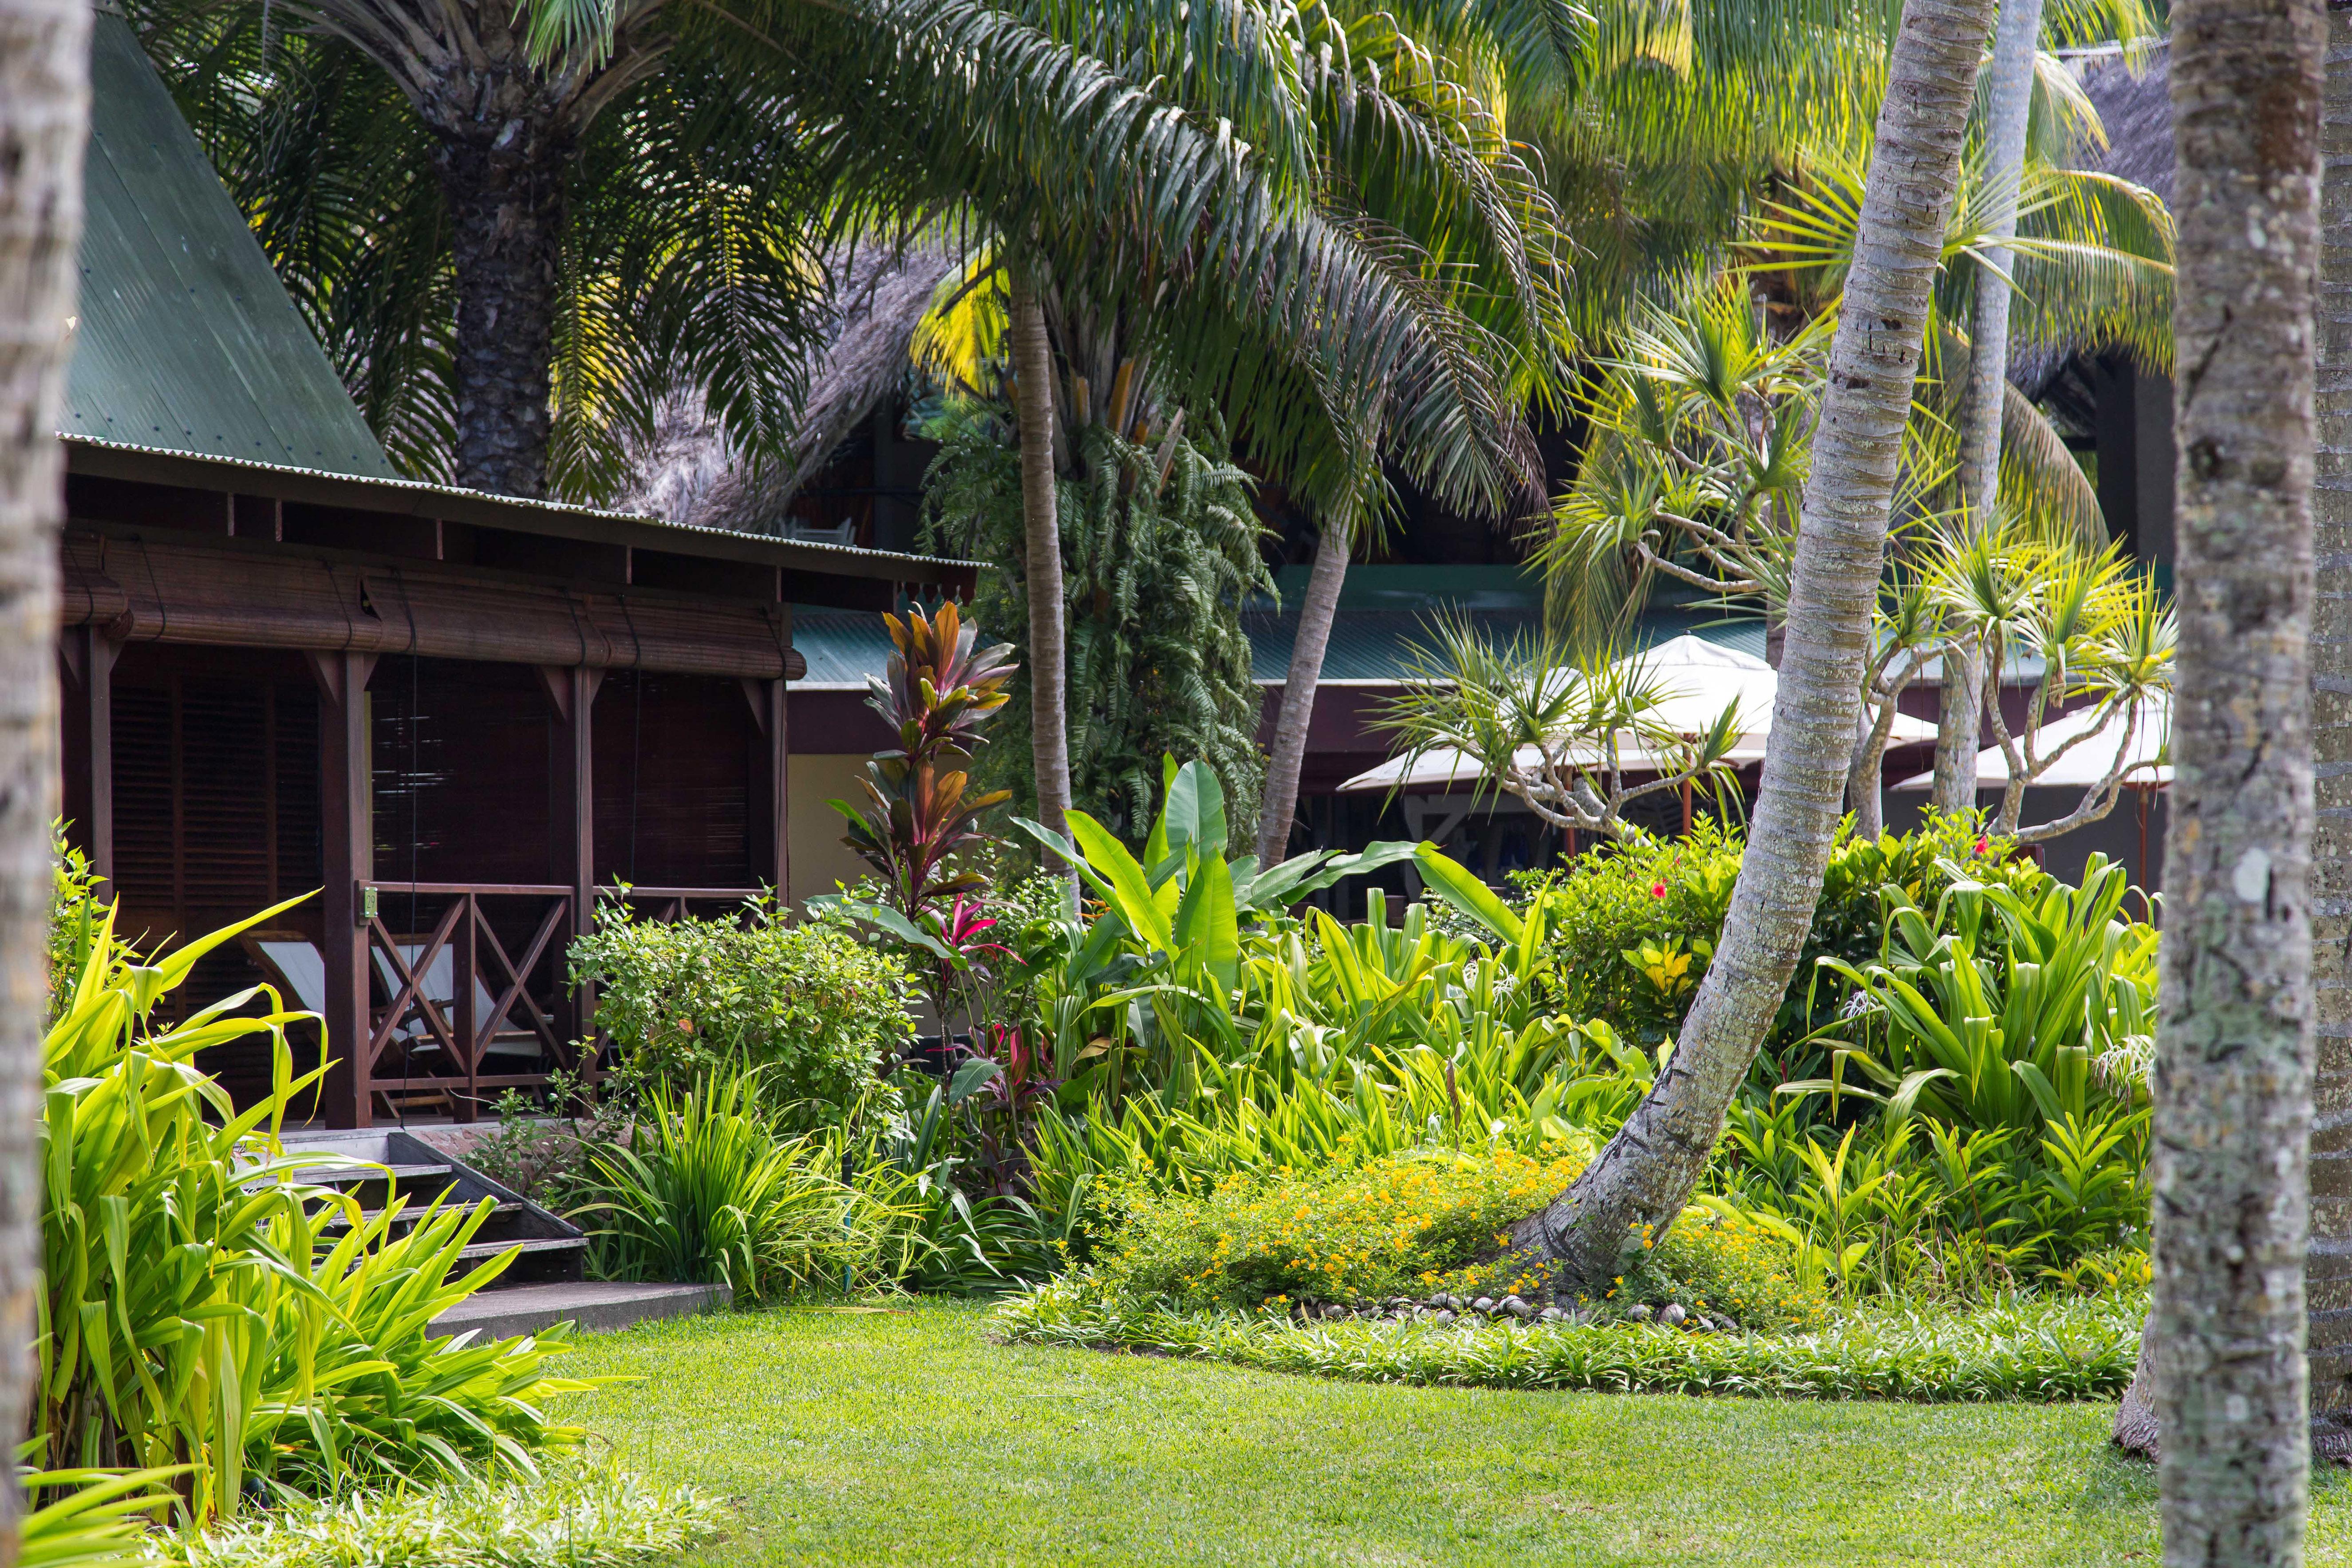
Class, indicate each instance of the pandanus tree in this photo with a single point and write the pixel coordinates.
(1648, 1171)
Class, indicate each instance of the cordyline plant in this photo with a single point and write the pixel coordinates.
(938, 691)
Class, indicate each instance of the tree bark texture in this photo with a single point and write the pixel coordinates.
(2327, 1285)
(2233, 1080)
(1049, 734)
(44, 121)
(503, 181)
(1960, 730)
(2017, 38)
(1279, 808)
(1647, 1172)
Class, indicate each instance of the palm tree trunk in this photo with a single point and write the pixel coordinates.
(2232, 1081)
(2328, 1263)
(503, 181)
(1280, 807)
(2017, 38)
(1648, 1171)
(44, 120)
(1032, 372)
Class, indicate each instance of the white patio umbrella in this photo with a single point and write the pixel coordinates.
(2092, 758)
(1698, 679)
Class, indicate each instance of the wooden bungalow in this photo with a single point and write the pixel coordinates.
(463, 718)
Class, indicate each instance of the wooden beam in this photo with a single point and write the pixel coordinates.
(347, 864)
(86, 711)
(572, 799)
(176, 588)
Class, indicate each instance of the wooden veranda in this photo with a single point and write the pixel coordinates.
(463, 718)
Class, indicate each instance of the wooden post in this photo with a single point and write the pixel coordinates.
(571, 779)
(770, 815)
(86, 711)
(347, 863)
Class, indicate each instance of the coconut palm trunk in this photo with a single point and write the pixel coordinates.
(2327, 1284)
(1049, 733)
(2017, 39)
(502, 184)
(506, 130)
(44, 120)
(2232, 1081)
(1280, 807)
(1648, 1171)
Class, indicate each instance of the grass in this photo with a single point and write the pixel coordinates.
(911, 1438)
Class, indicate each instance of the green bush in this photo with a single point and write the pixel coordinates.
(810, 1006)
(1402, 1223)
(1631, 929)
(2038, 1352)
(578, 1516)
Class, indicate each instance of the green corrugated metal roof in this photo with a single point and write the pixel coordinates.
(186, 340)
(842, 649)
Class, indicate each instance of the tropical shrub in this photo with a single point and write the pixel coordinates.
(1402, 1223)
(810, 1006)
(204, 1311)
(706, 1191)
(939, 689)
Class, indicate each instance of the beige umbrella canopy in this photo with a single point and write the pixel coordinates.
(1699, 679)
(2094, 756)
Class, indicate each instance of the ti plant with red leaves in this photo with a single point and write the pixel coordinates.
(919, 811)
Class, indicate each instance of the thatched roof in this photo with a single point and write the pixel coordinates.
(2134, 100)
(2135, 103)
(690, 475)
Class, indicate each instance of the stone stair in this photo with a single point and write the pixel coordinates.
(546, 1285)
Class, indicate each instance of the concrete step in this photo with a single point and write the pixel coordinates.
(592, 1305)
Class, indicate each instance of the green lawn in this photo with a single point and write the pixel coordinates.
(853, 1438)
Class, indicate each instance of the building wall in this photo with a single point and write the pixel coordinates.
(820, 858)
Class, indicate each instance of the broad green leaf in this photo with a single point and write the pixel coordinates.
(1122, 880)
(1465, 892)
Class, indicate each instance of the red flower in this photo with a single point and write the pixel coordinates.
(1657, 889)
(1980, 846)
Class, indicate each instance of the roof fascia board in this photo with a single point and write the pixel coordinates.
(409, 497)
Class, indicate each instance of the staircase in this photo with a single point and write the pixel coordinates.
(546, 1285)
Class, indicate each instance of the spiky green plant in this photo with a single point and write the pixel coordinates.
(201, 1308)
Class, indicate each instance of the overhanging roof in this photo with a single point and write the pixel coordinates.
(183, 337)
(413, 500)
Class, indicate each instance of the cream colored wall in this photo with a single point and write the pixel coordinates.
(819, 857)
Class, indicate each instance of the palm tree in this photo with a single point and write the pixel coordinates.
(2233, 1079)
(1647, 1172)
(44, 119)
(512, 266)
(1654, 126)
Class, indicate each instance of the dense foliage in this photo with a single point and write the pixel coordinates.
(201, 1306)
(1160, 549)
(811, 1005)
